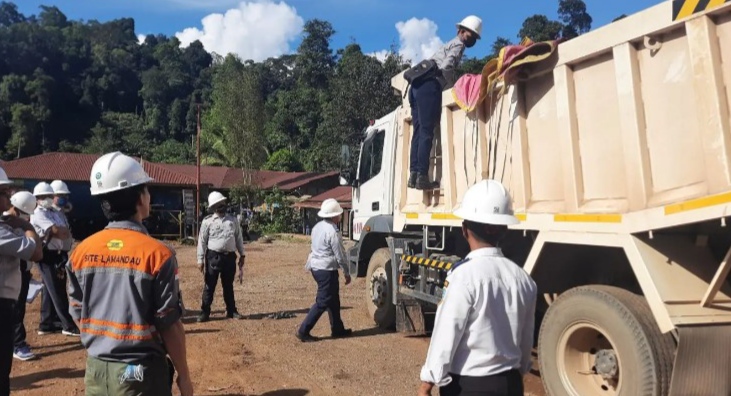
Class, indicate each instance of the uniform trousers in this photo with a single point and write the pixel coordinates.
(150, 377)
(55, 300)
(328, 299)
(7, 311)
(508, 383)
(425, 99)
(20, 334)
(223, 265)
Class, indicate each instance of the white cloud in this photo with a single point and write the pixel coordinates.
(418, 40)
(141, 39)
(254, 30)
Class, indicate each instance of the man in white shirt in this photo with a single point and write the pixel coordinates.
(327, 255)
(55, 234)
(483, 330)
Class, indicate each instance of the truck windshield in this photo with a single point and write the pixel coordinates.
(371, 156)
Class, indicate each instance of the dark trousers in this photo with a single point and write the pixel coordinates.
(426, 109)
(223, 265)
(19, 339)
(55, 300)
(328, 299)
(508, 383)
(7, 310)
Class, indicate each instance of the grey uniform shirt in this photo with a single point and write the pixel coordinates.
(448, 58)
(14, 246)
(220, 234)
(43, 219)
(327, 248)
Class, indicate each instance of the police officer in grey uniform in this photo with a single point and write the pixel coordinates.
(18, 241)
(219, 240)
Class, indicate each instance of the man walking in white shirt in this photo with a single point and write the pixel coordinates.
(483, 330)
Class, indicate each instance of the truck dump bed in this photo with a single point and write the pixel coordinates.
(626, 129)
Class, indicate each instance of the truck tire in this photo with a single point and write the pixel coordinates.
(602, 340)
(379, 292)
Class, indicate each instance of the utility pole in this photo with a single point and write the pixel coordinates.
(198, 174)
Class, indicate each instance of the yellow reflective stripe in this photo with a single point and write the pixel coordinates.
(699, 203)
(412, 215)
(441, 265)
(444, 216)
(687, 9)
(587, 218)
(521, 216)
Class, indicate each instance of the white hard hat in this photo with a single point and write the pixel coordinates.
(59, 187)
(214, 198)
(4, 178)
(473, 24)
(42, 189)
(24, 201)
(116, 171)
(330, 208)
(487, 202)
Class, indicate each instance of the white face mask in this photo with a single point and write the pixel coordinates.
(46, 203)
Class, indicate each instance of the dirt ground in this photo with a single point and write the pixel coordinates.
(258, 355)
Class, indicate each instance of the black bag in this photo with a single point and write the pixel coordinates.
(421, 71)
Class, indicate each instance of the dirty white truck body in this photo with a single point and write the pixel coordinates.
(618, 157)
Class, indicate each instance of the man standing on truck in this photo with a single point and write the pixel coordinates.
(124, 292)
(425, 98)
(483, 330)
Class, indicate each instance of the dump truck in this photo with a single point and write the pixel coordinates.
(617, 154)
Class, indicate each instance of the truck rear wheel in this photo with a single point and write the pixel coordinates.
(602, 340)
(379, 292)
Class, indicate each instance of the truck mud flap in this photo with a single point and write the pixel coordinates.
(702, 361)
(410, 317)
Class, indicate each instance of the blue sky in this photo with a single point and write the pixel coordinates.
(261, 30)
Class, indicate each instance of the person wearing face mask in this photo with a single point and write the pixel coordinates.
(425, 98)
(219, 239)
(62, 194)
(18, 241)
(53, 229)
(23, 204)
(483, 329)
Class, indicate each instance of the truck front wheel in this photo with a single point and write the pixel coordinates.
(379, 291)
(602, 340)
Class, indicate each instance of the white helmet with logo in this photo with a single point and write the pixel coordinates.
(43, 189)
(214, 198)
(4, 178)
(116, 171)
(487, 202)
(59, 187)
(330, 208)
(24, 201)
(473, 24)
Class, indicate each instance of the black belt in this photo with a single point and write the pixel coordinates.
(221, 253)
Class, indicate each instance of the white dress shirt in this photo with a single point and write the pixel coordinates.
(43, 219)
(221, 234)
(327, 249)
(448, 58)
(485, 320)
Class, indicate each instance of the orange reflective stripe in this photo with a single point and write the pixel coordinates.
(124, 249)
(123, 337)
(116, 325)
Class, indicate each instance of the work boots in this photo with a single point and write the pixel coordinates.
(423, 183)
(412, 180)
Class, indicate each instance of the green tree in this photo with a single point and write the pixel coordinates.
(575, 18)
(540, 28)
(283, 160)
(315, 60)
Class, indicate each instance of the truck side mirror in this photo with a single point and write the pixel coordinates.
(345, 155)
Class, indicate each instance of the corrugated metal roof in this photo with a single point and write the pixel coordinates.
(77, 167)
(342, 194)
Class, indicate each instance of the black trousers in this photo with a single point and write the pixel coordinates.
(328, 299)
(7, 310)
(508, 383)
(55, 300)
(223, 265)
(20, 333)
(425, 99)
